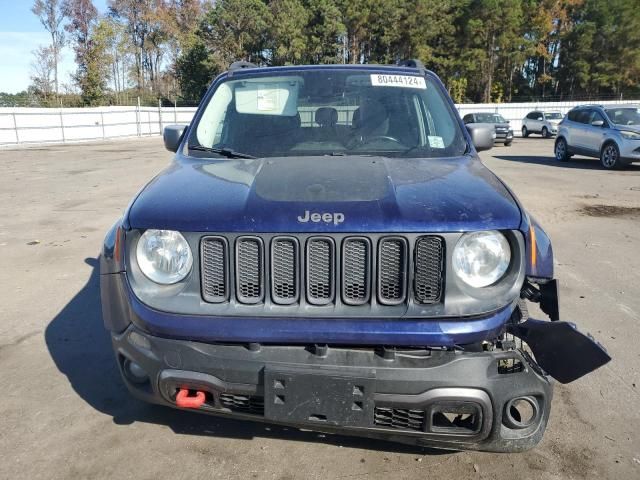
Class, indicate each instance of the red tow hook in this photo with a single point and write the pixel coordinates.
(183, 400)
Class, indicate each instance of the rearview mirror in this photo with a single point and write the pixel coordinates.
(598, 123)
(482, 136)
(172, 136)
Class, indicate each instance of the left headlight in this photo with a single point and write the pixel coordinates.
(164, 256)
(481, 258)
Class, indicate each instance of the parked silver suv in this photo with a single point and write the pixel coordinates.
(544, 123)
(610, 133)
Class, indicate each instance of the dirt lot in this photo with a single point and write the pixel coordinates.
(65, 413)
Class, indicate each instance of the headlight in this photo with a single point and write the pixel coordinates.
(630, 135)
(164, 256)
(481, 258)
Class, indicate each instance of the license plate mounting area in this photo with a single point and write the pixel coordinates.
(300, 395)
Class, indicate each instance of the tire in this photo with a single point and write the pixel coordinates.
(610, 157)
(508, 144)
(545, 133)
(525, 132)
(561, 150)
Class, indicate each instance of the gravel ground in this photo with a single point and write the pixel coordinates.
(66, 414)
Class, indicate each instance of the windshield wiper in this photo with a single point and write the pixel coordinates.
(225, 152)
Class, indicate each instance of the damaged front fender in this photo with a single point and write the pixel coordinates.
(560, 349)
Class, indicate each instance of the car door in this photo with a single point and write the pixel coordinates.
(537, 119)
(578, 130)
(593, 134)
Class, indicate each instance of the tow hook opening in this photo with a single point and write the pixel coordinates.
(190, 398)
(521, 412)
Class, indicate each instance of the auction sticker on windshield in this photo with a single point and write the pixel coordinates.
(406, 81)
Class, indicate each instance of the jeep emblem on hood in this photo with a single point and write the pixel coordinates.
(327, 217)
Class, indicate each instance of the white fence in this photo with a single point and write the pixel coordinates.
(45, 125)
(48, 125)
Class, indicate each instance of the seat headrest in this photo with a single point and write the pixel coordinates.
(326, 116)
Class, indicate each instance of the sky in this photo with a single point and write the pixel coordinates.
(20, 34)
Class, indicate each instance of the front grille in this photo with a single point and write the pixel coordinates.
(303, 270)
(243, 403)
(399, 418)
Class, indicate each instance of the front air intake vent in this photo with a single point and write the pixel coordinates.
(249, 270)
(429, 263)
(214, 269)
(356, 271)
(284, 270)
(399, 418)
(392, 270)
(320, 271)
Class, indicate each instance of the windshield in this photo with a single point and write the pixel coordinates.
(553, 116)
(490, 118)
(624, 115)
(327, 112)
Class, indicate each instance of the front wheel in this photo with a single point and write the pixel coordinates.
(525, 132)
(610, 157)
(508, 144)
(545, 132)
(561, 150)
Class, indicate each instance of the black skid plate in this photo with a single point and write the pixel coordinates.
(300, 395)
(560, 349)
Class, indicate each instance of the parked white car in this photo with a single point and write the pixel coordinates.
(543, 122)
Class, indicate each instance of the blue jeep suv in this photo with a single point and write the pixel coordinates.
(327, 251)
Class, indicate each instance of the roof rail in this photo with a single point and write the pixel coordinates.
(412, 63)
(240, 64)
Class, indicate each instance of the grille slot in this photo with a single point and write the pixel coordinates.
(400, 418)
(392, 271)
(214, 268)
(243, 403)
(320, 271)
(356, 271)
(284, 270)
(429, 259)
(249, 270)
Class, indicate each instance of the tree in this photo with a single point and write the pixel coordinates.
(287, 39)
(43, 71)
(82, 15)
(325, 32)
(51, 17)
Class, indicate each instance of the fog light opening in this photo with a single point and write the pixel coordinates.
(521, 412)
(134, 372)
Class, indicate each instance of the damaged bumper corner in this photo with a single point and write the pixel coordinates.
(560, 349)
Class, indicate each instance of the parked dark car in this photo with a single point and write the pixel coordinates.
(504, 133)
(327, 251)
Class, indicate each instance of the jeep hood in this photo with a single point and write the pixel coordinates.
(374, 194)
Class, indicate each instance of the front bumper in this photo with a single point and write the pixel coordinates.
(444, 399)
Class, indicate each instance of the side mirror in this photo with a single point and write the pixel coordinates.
(482, 136)
(172, 136)
(598, 123)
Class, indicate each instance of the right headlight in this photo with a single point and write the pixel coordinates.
(164, 256)
(630, 135)
(481, 259)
